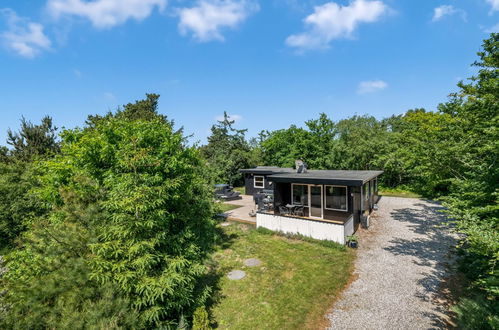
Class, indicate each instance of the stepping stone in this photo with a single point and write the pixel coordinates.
(225, 224)
(252, 262)
(236, 275)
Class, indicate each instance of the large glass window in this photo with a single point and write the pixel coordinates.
(259, 181)
(336, 198)
(365, 191)
(299, 194)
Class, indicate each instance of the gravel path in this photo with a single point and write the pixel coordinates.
(402, 261)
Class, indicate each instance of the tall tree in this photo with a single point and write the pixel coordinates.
(132, 212)
(474, 198)
(18, 206)
(146, 109)
(284, 146)
(33, 140)
(227, 152)
(322, 135)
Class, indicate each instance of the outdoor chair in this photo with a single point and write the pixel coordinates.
(299, 211)
(261, 205)
(283, 210)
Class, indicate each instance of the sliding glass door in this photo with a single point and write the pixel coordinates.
(315, 201)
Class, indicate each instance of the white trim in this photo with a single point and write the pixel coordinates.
(263, 181)
(346, 195)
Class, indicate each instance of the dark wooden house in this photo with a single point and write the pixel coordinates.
(324, 204)
(256, 179)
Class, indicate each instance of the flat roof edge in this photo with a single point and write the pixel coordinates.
(341, 182)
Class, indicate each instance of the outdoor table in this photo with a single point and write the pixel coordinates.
(291, 208)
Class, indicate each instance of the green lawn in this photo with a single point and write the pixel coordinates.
(242, 190)
(396, 192)
(228, 207)
(293, 288)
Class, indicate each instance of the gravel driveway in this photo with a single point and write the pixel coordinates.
(402, 260)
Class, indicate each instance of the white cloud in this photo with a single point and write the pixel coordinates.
(235, 118)
(105, 13)
(494, 4)
(371, 86)
(447, 10)
(208, 17)
(332, 21)
(22, 36)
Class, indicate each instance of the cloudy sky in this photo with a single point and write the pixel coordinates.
(267, 63)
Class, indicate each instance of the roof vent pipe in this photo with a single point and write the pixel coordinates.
(301, 166)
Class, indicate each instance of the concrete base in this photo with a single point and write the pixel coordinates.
(241, 214)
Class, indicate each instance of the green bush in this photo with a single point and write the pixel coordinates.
(477, 313)
(130, 207)
(200, 319)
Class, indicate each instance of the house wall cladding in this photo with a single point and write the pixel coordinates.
(249, 184)
(349, 227)
(315, 229)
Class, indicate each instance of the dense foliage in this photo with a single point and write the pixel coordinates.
(17, 176)
(113, 224)
(227, 152)
(129, 227)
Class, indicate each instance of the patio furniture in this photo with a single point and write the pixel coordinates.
(226, 192)
(291, 208)
(283, 210)
(261, 205)
(299, 211)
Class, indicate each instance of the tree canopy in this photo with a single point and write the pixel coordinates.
(227, 151)
(130, 218)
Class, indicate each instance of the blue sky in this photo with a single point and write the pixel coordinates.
(267, 63)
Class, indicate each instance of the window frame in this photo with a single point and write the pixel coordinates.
(325, 195)
(306, 194)
(263, 181)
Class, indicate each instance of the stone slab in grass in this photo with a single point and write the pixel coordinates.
(236, 275)
(225, 224)
(252, 262)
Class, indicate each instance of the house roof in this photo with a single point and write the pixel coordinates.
(351, 178)
(267, 170)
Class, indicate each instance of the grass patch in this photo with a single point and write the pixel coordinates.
(398, 192)
(292, 289)
(228, 207)
(241, 190)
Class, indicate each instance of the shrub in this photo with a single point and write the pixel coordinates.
(200, 319)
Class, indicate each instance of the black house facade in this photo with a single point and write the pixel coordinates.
(256, 179)
(332, 196)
